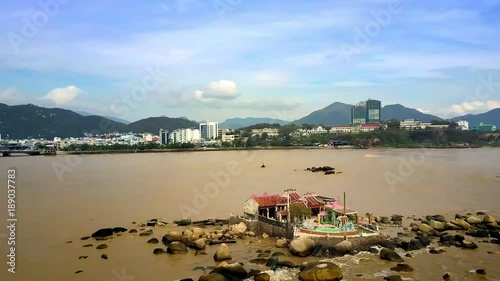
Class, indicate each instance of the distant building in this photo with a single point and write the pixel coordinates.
(271, 132)
(366, 112)
(369, 127)
(163, 137)
(358, 113)
(464, 125)
(186, 135)
(412, 124)
(342, 129)
(484, 127)
(209, 130)
(373, 111)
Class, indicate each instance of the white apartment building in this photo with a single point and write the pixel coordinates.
(464, 125)
(316, 131)
(271, 132)
(147, 137)
(209, 130)
(227, 138)
(187, 135)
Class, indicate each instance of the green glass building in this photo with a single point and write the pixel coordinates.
(358, 113)
(484, 127)
(373, 110)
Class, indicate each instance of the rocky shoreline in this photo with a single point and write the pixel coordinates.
(433, 234)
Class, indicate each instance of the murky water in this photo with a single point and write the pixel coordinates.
(63, 198)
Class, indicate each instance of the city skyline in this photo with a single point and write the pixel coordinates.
(254, 58)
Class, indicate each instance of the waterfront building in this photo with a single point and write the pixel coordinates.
(271, 132)
(484, 127)
(412, 124)
(464, 125)
(209, 130)
(342, 129)
(373, 111)
(358, 113)
(163, 137)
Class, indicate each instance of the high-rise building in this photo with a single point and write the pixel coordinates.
(209, 130)
(373, 110)
(163, 137)
(358, 113)
(366, 112)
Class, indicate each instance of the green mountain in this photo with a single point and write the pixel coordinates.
(336, 113)
(491, 117)
(22, 121)
(116, 119)
(236, 123)
(154, 124)
(400, 112)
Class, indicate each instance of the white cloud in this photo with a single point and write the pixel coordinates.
(473, 107)
(64, 95)
(424, 110)
(12, 96)
(217, 90)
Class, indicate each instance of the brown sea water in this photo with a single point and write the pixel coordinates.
(97, 191)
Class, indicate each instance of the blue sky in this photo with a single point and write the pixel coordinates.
(217, 59)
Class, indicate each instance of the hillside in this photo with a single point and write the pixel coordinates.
(336, 113)
(116, 119)
(22, 121)
(490, 117)
(154, 124)
(400, 112)
(236, 123)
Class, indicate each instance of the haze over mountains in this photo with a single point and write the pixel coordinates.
(22, 121)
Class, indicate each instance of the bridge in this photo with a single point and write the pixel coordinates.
(47, 151)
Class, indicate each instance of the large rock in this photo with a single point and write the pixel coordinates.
(467, 244)
(234, 271)
(103, 232)
(222, 253)
(473, 220)
(323, 271)
(177, 248)
(461, 223)
(393, 278)
(402, 267)
(281, 243)
(425, 228)
(198, 233)
(262, 277)
(343, 247)
(238, 229)
(439, 218)
(451, 226)
(302, 247)
(390, 255)
(437, 225)
(489, 219)
(199, 244)
(172, 236)
(212, 277)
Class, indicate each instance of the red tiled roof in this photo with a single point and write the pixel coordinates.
(311, 201)
(294, 196)
(269, 200)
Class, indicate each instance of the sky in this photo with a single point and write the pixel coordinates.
(219, 59)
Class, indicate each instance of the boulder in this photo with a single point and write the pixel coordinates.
(388, 244)
(302, 247)
(467, 244)
(373, 250)
(146, 233)
(172, 236)
(238, 229)
(425, 228)
(439, 218)
(250, 233)
(177, 248)
(101, 246)
(322, 271)
(481, 271)
(222, 253)
(393, 278)
(446, 277)
(461, 223)
(265, 235)
(119, 229)
(103, 232)
(199, 244)
(183, 222)
(234, 271)
(489, 219)
(343, 247)
(187, 235)
(159, 251)
(281, 243)
(262, 277)
(390, 255)
(153, 241)
(473, 220)
(451, 226)
(402, 267)
(212, 277)
(198, 233)
(437, 225)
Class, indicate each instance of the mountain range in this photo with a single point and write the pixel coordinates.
(22, 121)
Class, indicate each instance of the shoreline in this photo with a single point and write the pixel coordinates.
(259, 148)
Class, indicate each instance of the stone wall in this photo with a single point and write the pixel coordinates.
(259, 227)
(358, 243)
